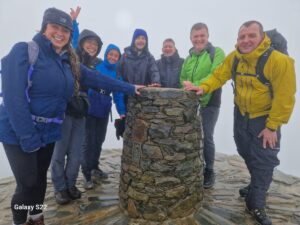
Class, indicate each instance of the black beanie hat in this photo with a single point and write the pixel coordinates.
(53, 15)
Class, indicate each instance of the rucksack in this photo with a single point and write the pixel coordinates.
(33, 52)
(279, 43)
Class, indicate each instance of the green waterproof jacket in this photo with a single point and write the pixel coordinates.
(198, 67)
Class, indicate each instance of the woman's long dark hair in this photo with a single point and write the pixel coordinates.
(75, 67)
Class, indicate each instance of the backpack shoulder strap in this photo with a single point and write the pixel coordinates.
(233, 72)
(212, 51)
(261, 62)
(33, 52)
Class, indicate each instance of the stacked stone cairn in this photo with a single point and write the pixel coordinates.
(162, 162)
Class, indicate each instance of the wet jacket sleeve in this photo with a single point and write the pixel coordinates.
(91, 79)
(283, 82)
(219, 76)
(153, 70)
(14, 82)
(218, 59)
(119, 101)
(75, 35)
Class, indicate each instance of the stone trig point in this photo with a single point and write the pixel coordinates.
(161, 168)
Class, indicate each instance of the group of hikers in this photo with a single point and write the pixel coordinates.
(57, 101)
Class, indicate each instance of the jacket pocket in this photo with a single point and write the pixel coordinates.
(100, 104)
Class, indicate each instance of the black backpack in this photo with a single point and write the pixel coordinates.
(279, 43)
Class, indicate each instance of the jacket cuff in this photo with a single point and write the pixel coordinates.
(272, 126)
(205, 89)
(31, 144)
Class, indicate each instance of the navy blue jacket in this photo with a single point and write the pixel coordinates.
(52, 87)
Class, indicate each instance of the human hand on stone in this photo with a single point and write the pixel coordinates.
(188, 86)
(187, 83)
(154, 85)
(137, 88)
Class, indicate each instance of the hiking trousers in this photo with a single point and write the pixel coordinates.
(68, 153)
(95, 136)
(209, 116)
(259, 161)
(30, 172)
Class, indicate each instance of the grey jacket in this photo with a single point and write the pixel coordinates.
(169, 70)
(138, 68)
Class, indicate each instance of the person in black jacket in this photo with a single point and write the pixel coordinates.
(169, 65)
(137, 64)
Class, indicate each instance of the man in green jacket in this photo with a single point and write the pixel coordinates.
(197, 67)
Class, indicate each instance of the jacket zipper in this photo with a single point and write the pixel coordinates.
(195, 67)
(250, 100)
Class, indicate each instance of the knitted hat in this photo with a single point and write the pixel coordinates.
(139, 32)
(53, 15)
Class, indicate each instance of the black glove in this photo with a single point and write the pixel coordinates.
(120, 127)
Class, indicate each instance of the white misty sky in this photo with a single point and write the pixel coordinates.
(115, 22)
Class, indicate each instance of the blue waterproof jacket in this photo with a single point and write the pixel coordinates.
(100, 103)
(52, 87)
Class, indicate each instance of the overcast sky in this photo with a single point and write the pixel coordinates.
(115, 22)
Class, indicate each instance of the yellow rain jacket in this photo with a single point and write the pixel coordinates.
(252, 96)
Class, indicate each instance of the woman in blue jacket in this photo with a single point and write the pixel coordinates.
(30, 126)
(98, 116)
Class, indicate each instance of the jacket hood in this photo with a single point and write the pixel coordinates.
(139, 32)
(86, 34)
(108, 49)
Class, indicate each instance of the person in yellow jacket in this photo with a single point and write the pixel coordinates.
(258, 115)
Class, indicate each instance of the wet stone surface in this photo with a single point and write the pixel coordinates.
(221, 205)
(149, 146)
